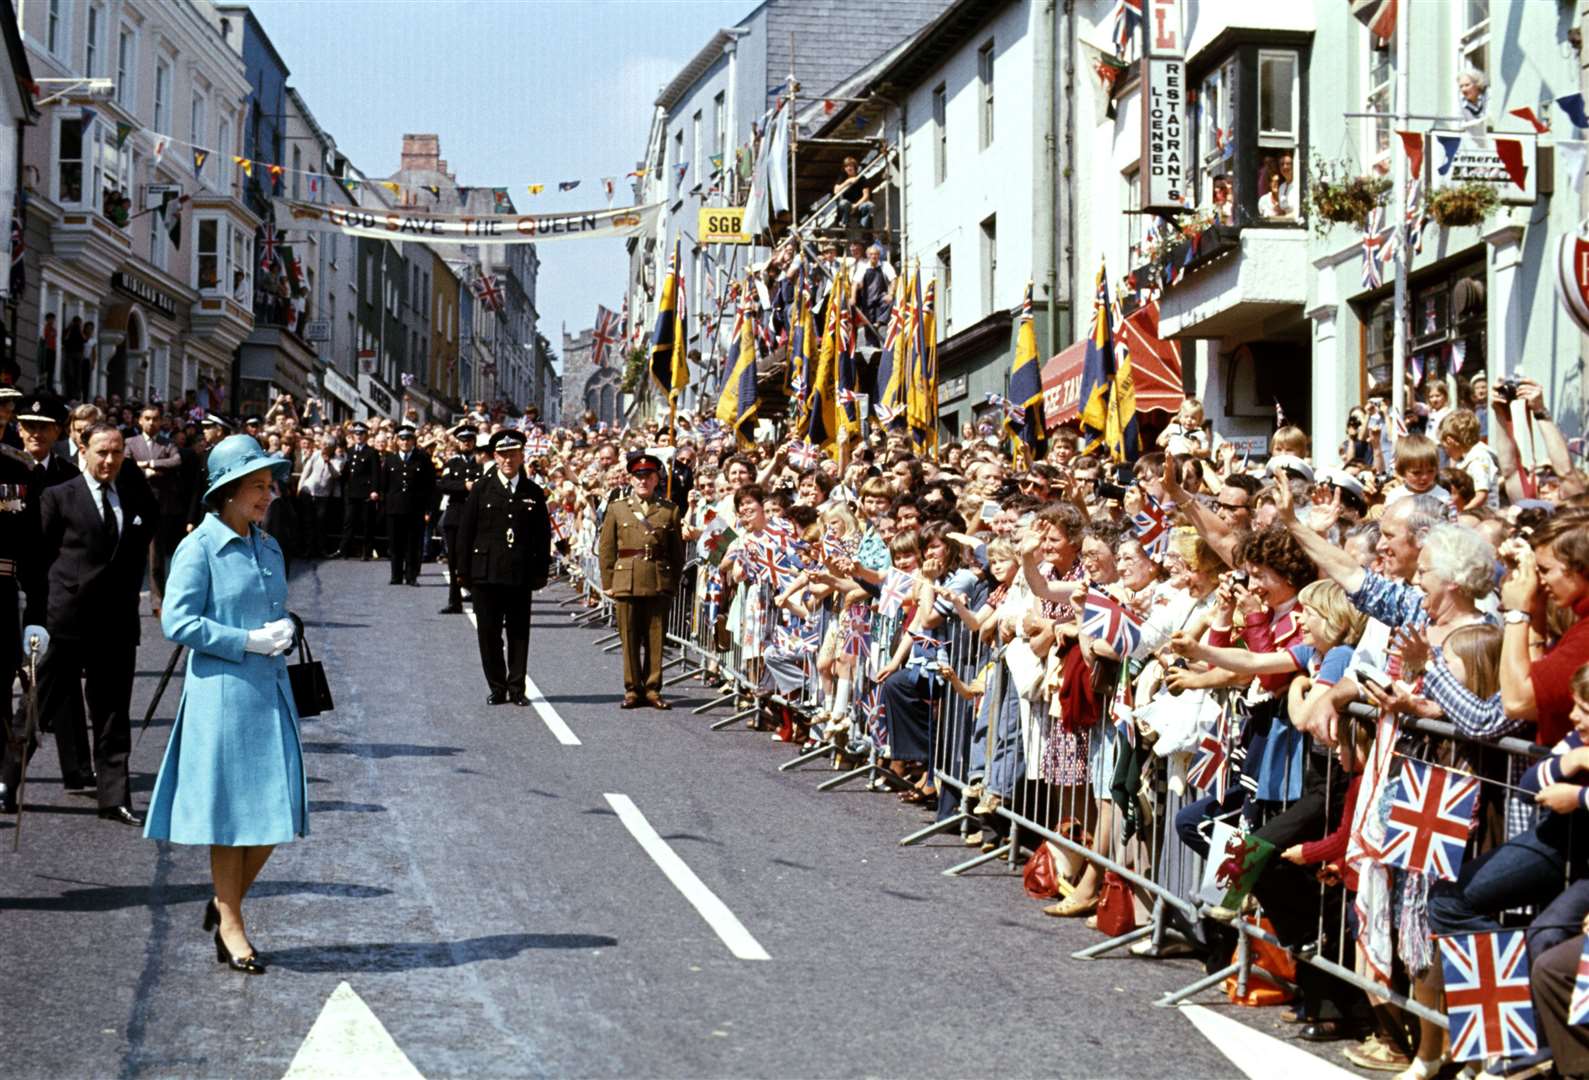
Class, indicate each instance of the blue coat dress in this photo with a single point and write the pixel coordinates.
(233, 770)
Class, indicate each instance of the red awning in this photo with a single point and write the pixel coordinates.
(1155, 368)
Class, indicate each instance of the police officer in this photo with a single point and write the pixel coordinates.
(408, 485)
(642, 554)
(504, 555)
(458, 478)
(40, 419)
(360, 490)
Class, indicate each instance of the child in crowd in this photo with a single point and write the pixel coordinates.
(1460, 439)
(1418, 467)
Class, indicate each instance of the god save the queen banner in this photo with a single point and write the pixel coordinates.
(405, 223)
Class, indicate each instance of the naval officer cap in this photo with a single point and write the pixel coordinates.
(406, 431)
(211, 420)
(507, 440)
(361, 428)
(254, 421)
(42, 409)
(10, 393)
(640, 461)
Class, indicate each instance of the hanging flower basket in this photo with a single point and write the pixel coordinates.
(1336, 197)
(1463, 204)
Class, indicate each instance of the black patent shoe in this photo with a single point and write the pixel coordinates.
(519, 699)
(497, 698)
(248, 965)
(82, 781)
(122, 815)
(451, 609)
(212, 916)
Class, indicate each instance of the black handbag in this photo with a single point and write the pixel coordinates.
(311, 693)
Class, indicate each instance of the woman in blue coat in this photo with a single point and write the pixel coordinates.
(233, 774)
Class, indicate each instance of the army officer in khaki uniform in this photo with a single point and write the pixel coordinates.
(642, 554)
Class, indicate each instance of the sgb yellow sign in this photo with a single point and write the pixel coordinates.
(722, 225)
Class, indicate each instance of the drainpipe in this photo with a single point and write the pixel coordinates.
(1044, 189)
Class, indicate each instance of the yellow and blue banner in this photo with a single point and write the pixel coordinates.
(1108, 393)
(1026, 385)
(670, 369)
(737, 407)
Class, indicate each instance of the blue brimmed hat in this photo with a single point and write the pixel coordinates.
(239, 455)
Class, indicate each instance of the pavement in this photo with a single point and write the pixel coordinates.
(482, 895)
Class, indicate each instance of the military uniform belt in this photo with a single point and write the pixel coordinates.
(8, 567)
(627, 553)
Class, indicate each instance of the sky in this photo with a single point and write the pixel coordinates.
(520, 91)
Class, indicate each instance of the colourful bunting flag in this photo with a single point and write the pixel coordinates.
(1573, 106)
(536, 189)
(1448, 146)
(244, 164)
(1525, 113)
(1412, 146)
(122, 131)
(434, 189)
(1510, 151)
(199, 157)
(567, 185)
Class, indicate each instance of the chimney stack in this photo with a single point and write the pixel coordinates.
(421, 153)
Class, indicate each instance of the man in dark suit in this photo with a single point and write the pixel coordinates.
(458, 477)
(361, 477)
(504, 555)
(96, 529)
(157, 457)
(40, 419)
(408, 484)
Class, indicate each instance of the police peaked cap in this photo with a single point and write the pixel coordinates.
(465, 431)
(406, 431)
(506, 440)
(361, 428)
(10, 393)
(43, 408)
(211, 420)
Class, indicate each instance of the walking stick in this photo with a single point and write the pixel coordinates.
(29, 732)
(159, 691)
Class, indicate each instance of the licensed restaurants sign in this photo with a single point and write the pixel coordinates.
(1164, 145)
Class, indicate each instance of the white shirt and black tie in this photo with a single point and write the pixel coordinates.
(108, 503)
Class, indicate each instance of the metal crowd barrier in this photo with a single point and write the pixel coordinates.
(991, 744)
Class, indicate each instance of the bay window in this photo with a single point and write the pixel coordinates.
(1248, 117)
(223, 258)
(91, 171)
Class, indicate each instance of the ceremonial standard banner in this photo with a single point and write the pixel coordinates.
(406, 223)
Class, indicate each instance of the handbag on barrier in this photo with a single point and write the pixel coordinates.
(311, 693)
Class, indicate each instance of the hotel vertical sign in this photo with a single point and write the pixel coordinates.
(1165, 145)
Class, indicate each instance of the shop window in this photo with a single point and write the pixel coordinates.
(1447, 329)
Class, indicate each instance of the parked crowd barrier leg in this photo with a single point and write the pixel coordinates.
(980, 860)
(809, 755)
(1175, 997)
(722, 699)
(1093, 951)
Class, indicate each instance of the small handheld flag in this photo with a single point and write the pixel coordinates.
(1488, 1002)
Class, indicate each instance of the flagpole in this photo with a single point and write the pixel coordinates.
(1398, 355)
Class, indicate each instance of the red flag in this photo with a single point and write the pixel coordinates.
(1412, 146)
(1540, 127)
(1510, 151)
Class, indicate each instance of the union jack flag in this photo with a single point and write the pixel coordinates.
(1128, 17)
(1210, 769)
(711, 428)
(1488, 1003)
(1578, 1011)
(485, 288)
(792, 642)
(603, 336)
(804, 455)
(886, 415)
(897, 587)
(1152, 526)
(857, 629)
(764, 560)
(714, 596)
(872, 712)
(848, 398)
(537, 445)
(1012, 412)
(833, 545)
(1431, 812)
(1376, 237)
(1106, 618)
(269, 241)
(798, 387)
(560, 523)
(1415, 217)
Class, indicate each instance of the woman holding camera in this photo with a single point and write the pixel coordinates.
(233, 776)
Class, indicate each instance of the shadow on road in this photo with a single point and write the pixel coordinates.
(411, 956)
(381, 751)
(326, 806)
(117, 897)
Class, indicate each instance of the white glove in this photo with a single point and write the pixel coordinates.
(272, 639)
(30, 632)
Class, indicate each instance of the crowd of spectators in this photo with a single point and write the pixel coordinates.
(1282, 606)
